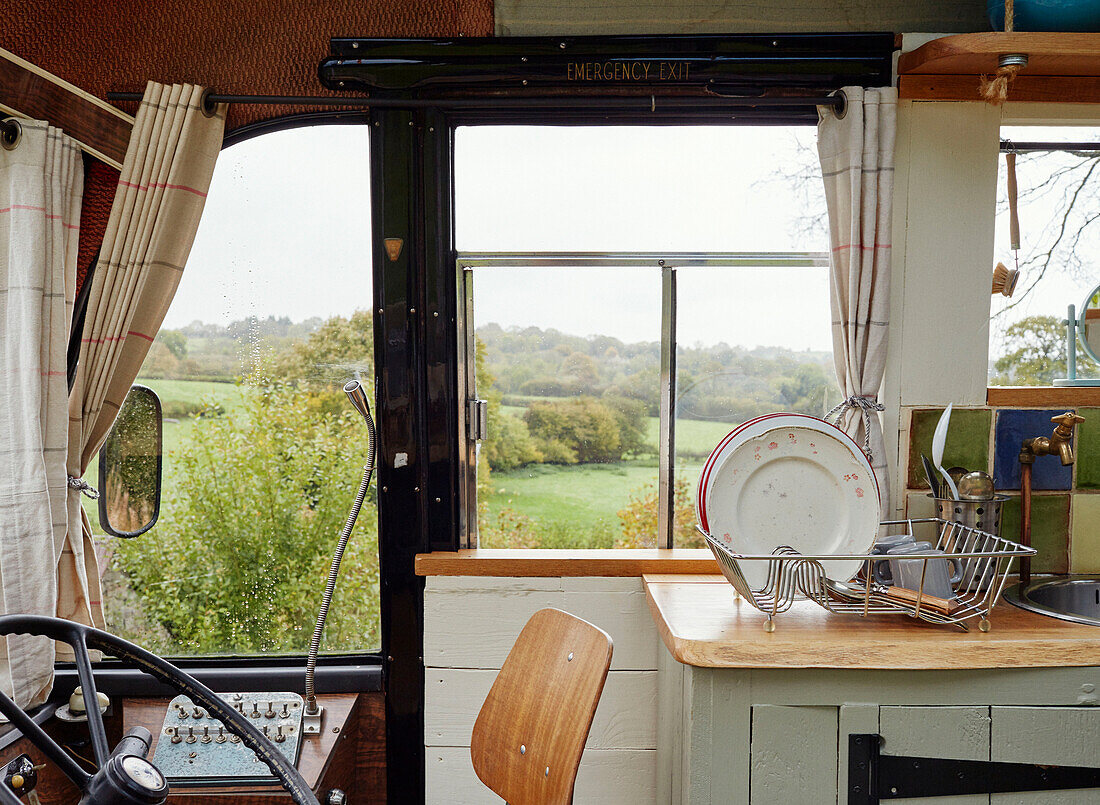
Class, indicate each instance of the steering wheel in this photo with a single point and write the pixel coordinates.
(122, 777)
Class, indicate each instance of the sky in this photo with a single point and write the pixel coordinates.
(297, 242)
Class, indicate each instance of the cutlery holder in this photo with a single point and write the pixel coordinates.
(983, 515)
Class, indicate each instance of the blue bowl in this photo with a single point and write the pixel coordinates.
(1047, 15)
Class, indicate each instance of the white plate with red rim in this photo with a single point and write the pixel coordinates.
(790, 480)
(753, 427)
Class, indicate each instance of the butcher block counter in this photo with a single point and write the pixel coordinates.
(704, 623)
(747, 716)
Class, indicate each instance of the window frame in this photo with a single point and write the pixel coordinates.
(668, 263)
(1042, 114)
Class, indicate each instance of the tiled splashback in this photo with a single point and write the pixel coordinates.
(1065, 513)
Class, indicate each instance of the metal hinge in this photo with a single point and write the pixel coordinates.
(873, 776)
(477, 419)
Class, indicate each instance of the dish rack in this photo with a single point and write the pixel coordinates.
(985, 559)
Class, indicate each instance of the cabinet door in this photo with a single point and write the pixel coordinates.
(793, 758)
(1061, 736)
(959, 733)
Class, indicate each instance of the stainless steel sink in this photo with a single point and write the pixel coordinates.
(1070, 599)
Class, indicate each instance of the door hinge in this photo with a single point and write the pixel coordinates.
(873, 776)
(477, 419)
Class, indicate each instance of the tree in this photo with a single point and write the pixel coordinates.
(639, 518)
(1036, 352)
(250, 517)
(340, 349)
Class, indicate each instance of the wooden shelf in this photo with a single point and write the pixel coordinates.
(1062, 67)
(564, 562)
(1056, 54)
(1043, 396)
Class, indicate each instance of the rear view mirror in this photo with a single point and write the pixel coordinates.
(130, 467)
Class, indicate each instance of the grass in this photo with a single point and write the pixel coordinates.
(574, 506)
(229, 396)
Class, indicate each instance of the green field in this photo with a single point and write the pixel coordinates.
(229, 396)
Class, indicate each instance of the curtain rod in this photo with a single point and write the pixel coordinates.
(1012, 147)
(838, 101)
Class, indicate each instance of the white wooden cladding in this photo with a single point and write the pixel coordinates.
(470, 624)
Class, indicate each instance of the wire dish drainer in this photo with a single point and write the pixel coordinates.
(985, 559)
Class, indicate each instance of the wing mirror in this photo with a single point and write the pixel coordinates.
(130, 466)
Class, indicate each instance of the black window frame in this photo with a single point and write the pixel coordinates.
(425, 89)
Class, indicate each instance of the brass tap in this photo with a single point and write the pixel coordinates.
(1060, 443)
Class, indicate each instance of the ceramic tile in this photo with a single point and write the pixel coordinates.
(1049, 530)
(967, 441)
(1013, 426)
(1085, 542)
(1088, 449)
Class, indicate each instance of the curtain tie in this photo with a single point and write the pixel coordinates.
(84, 487)
(865, 404)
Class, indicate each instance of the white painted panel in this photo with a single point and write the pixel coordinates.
(952, 153)
(490, 583)
(626, 617)
(605, 776)
(1065, 736)
(562, 17)
(602, 584)
(626, 717)
(793, 756)
(961, 733)
(476, 628)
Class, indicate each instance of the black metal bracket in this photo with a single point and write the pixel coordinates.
(873, 776)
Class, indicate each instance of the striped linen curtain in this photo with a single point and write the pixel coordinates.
(156, 211)
(41, 182)
(857, 165)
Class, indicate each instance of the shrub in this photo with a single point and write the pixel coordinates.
(639, 518)
(251, 513)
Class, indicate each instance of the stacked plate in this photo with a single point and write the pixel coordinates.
(789, 480)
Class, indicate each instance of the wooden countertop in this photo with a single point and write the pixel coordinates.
(703, 623)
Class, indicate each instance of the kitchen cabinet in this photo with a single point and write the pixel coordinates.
(766, 720)
(781, 737)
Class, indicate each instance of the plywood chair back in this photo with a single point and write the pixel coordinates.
(531, 730)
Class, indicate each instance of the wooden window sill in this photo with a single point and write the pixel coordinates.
(521, 562)
(1042, 396)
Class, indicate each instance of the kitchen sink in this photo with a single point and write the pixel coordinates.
(1074, 599)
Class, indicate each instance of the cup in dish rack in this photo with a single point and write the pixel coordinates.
(930, 575)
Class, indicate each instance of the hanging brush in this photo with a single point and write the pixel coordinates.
(1004, 279)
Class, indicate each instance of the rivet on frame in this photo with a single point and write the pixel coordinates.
(522, 749)
(570, 657)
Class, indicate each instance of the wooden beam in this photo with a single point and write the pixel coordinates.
(1052, 54)
(1043, 396)
(1042, 89)
(30, 92)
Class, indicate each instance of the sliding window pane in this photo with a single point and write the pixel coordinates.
(751, 341)
(568, 358)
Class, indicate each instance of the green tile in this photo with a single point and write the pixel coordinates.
(1049, 530)
(1085, 544)
(967, 441)
(1088, 449)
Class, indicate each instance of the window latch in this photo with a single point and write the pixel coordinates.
(477, 419)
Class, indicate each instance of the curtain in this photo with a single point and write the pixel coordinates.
(41, 181)
(154, 216)
(856, 149)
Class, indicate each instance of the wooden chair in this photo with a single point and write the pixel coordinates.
(531, 730)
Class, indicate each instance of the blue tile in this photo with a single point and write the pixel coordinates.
(1013, 427)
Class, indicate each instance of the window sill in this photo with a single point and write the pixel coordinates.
(1042, 396)
(522, 562)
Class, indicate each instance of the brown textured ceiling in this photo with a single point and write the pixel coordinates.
(233, 46)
